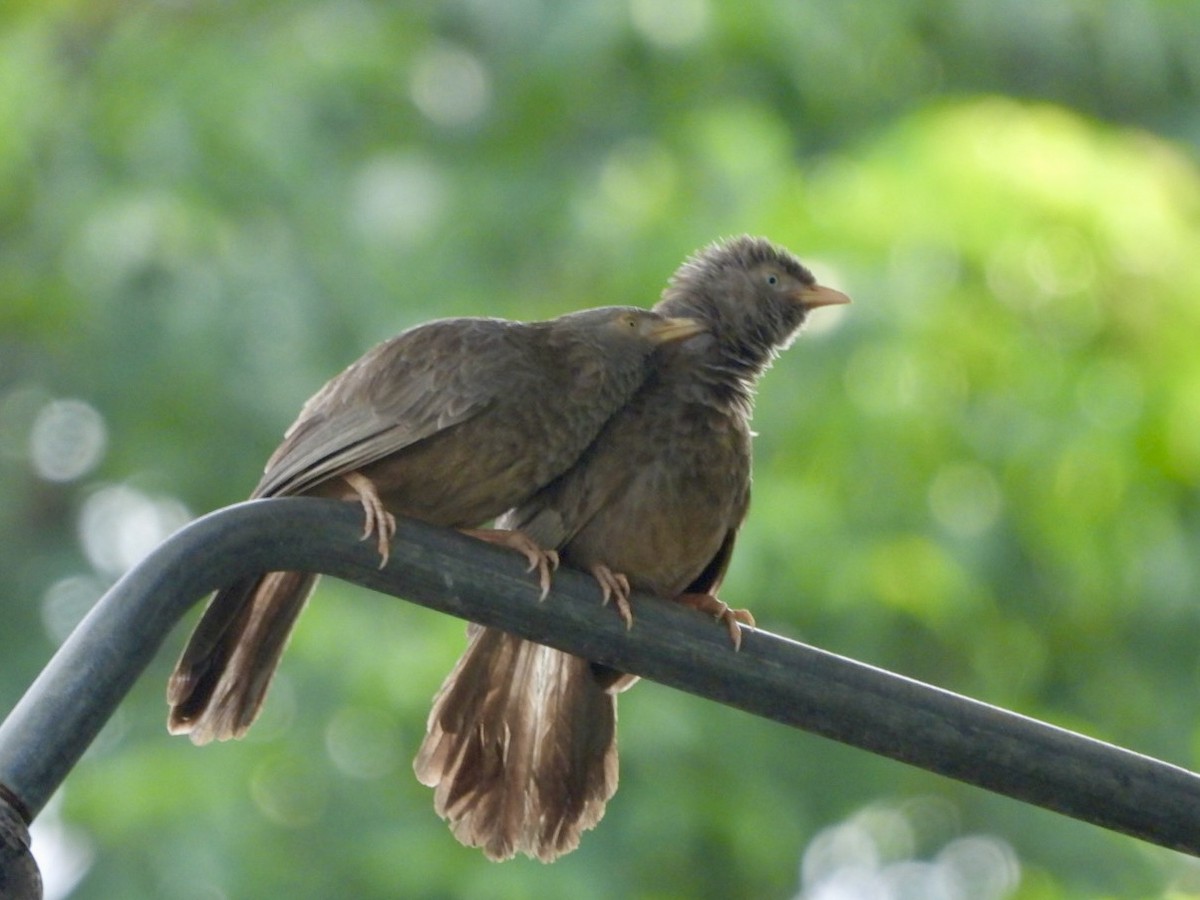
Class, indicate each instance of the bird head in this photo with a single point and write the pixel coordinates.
(753, 296)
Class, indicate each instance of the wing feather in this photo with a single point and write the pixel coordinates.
(403, 391)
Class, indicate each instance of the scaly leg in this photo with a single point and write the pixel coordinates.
(721, 611)
(379, 521)
(614, 586)
(545, 561)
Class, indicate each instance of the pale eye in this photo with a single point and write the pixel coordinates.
(772, 279)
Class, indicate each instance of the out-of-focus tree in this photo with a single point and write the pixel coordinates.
(984, 473)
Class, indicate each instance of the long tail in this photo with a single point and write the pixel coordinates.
(521, 748)
(220, 681)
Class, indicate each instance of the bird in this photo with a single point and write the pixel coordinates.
(520, 745)
(451, 422)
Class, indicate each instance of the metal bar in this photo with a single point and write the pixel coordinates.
(771, 676)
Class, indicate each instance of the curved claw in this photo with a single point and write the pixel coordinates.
(614, 586)
(545, 561)
(722, 612)
(377, 520)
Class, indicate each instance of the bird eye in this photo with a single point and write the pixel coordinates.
(772, 279)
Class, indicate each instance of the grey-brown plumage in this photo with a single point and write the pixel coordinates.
(451, 422)
(657, 499)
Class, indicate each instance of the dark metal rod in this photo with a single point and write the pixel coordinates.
(771, 676)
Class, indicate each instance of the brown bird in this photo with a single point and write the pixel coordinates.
(521, 743)
(452, 422)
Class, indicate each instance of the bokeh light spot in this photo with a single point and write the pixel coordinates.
(873, 856)
(397, 199)
(450, 86)
(67, 440)
(64, 852)
(980, 867)
(670, 23)
(119, 525)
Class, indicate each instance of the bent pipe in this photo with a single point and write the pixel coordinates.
(61, 713)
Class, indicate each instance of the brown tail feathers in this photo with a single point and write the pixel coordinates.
(220, 681)
(521, 748)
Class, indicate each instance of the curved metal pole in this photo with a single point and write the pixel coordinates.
(771, 676)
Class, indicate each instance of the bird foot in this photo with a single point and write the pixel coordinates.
(545, 561)
(379, 521)
(722, 612)
(614, 586)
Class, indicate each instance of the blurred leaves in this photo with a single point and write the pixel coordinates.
(983, 473)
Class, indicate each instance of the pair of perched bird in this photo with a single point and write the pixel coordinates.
(616, 439)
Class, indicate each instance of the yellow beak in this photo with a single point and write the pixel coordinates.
(818, 295)
(676, 329)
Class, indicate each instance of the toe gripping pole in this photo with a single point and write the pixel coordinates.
(46, 733)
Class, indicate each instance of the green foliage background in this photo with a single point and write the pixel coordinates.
(982, 474)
